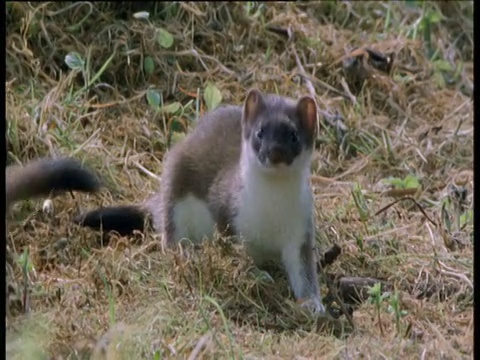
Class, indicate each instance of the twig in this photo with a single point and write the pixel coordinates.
(321, 180)
(451, 272)
(303, 73)
(346, 88)
(195, 53)
(309, 84)
(86, 142)
(147, 172)
(120, 102)
(407, 198)
(201, 344)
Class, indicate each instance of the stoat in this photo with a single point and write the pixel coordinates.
(244, 171)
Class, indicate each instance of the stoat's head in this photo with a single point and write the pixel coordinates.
(278, 133)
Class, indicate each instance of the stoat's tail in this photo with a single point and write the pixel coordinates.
(124, 219)
(48, 176)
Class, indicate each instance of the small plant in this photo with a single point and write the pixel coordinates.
(254, 9)
(377, 297)
(454, 207)
(77, 63)
(359, 241)
(172, 128)
(27, 267)
(24, 262)
(455, 217)
(424, 24)
(409, 182)
(163, 37)
(111, 301)
(394, 307)
(361, 205)
(387, 143)
(429, 18)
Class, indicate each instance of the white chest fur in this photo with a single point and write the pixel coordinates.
(192, 219)
(273, 214)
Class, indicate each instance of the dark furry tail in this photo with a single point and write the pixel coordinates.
(48, 176)
(122, 219)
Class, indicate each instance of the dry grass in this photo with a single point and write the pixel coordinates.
(416, 120)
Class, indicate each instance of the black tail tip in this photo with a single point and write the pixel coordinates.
(122, 219)
(69, 174)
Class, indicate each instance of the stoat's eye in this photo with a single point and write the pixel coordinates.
(293, 136)
(259, 133)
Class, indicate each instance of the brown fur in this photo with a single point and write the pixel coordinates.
(209, 154)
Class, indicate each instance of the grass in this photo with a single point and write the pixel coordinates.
(407, 133)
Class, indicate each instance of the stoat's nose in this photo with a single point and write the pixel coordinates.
(275, 155)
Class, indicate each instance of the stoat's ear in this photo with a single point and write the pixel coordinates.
(307, 114)
(253, 105)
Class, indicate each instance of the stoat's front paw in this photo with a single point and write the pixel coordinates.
(313, 305)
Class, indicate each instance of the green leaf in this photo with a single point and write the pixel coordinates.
(404, 79)
(439, 80)
(172, 108)
(465, 218)
(391, 181)
(164, 38)
(408, 183)
(397, 183)
(24, 261)
(176, 126)
(434, 17)
(442, 65)
(360, 202)
(375, 289)
(411, 3)
(74, 61)
(148, 65)
(446, 218)
(411, 182)
(34, 28)
(176, 137)
(212, 96)
(153, 99)
(311, 41)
